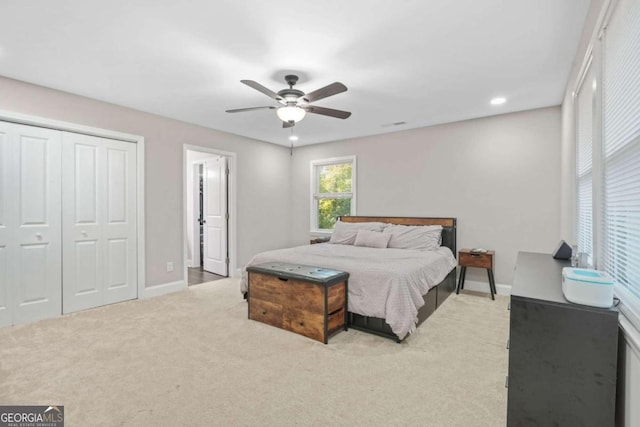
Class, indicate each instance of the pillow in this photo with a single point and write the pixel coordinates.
(372, 239)
(344, 233)
(421, 237)
(343, 237)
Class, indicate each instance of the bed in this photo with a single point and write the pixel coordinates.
(391, 291)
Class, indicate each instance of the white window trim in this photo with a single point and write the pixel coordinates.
(595, 144)
(313, 181)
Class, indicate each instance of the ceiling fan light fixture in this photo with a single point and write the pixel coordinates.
(295, 104)
(291, 114)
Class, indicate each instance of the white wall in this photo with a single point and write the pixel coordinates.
(262, 173)
(498, 175)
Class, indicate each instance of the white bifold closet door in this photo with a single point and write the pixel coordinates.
(30, 223)
(99, 221)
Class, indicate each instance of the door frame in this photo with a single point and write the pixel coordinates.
(195, 207)
(27, 119)
(231, 204)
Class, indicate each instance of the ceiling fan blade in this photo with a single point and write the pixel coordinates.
(288, 124)
(240, 110)
(338, 114)
(332, 89)
(257, 86)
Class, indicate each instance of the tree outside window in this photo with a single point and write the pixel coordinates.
(333, 195)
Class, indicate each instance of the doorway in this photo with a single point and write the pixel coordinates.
(209, 223)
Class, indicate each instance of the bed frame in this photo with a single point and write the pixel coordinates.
(436, 295)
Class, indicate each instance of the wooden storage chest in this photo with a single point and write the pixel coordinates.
(310, 301)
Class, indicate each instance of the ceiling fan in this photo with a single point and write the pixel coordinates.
(295, 103)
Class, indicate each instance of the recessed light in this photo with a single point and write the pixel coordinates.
(498, 100)
(293, 138)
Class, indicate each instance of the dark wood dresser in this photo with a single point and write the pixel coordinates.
(310, 301)
(562, 356)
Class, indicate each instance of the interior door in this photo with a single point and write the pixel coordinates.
(99, 221)
(120, 224)
(30, 230)
(6, 317)
(215, 216)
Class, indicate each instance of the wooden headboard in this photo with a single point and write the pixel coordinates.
(448, 225)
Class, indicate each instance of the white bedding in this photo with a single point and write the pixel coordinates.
(386, 283)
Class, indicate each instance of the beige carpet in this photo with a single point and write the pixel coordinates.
(194, 359)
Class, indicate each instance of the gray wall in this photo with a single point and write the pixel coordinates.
(498, 175)
(263, 180)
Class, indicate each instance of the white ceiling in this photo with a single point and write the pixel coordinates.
(421, 62)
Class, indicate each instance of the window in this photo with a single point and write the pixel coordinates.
(607, 117)
(333, 191)
(620, 251)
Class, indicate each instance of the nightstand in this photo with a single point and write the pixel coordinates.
(467, 258)
(315, 240)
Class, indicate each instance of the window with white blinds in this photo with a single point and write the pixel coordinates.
(619, 253)
(584, 162)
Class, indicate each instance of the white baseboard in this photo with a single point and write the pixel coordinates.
(164, 288)
(190, 263)
(478, 286)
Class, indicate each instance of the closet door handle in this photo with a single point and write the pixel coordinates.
(39, 236)
(84, 233)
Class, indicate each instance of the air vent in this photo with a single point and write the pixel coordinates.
(394, 124)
